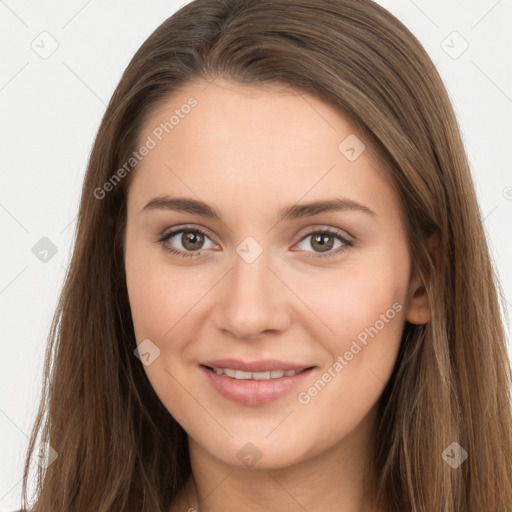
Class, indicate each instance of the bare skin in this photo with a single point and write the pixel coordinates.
(248, 153)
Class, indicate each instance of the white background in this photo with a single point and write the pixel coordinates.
(51, 109)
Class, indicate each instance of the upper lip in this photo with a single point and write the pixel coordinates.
(261, 365)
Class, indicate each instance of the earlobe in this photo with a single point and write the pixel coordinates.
(418, 307)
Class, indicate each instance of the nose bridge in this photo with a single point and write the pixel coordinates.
(250, 277)
(253, 299)
(250, 281)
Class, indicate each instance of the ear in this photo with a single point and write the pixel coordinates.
(418, 308)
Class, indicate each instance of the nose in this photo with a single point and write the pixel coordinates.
(252, 300)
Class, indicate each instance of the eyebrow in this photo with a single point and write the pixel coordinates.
(296, 211)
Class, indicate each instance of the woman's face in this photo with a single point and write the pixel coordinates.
(263, 282)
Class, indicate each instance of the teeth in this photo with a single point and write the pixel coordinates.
(241, 375)
(261, 375)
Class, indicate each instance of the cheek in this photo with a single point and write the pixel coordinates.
(364, 309)
(159, 296)
(351, 382)
(162, 307)
(354, 301)
(147, 299)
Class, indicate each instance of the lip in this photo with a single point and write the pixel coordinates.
(252, 392)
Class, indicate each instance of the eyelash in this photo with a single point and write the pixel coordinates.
(164, 242)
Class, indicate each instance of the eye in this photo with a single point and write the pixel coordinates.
(324, 241)
(189, 241)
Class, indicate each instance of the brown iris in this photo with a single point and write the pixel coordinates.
(192, 240)
(318, 242)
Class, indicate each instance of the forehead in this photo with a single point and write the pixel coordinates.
(231, 139)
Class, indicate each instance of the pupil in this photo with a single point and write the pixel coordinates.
(319, 239)
(194, 239)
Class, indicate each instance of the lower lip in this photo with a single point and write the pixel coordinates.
(254, 392)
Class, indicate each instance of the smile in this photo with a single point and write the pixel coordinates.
(242, 375)
(257, 383)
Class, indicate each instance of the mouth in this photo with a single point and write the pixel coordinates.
(255, 383)
(263, 375)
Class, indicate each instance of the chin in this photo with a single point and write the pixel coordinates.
(258, 452)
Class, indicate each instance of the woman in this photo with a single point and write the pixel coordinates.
(281, 295)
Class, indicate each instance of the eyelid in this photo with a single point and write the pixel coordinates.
(321, 228)
(185, 227)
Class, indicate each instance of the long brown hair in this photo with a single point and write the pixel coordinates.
(118, 447)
